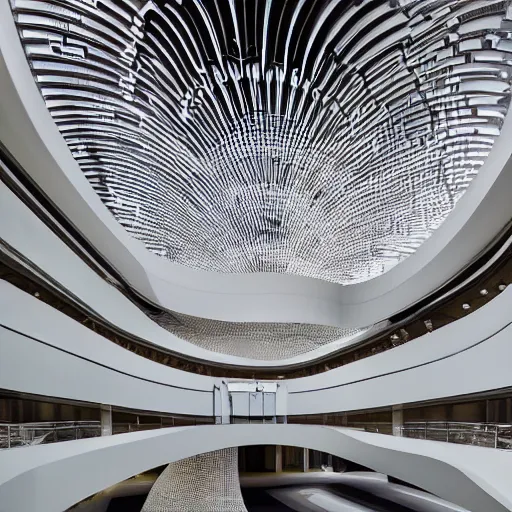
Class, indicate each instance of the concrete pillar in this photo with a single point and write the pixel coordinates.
(282, 401)
(279, 459)
(305, 460)
(397, 419)
(106, 420)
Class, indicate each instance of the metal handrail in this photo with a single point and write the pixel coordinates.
(490, 435)
(505, 425)
(27, 434)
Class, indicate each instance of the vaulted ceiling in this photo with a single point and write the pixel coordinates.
(327, 139)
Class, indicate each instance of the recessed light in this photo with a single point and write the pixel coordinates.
(466, 306)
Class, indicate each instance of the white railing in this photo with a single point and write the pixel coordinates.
(13, 435)
(488, 435)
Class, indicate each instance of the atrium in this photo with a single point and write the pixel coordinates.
(254, 255)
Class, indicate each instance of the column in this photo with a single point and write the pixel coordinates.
(106, 420)
(397, 419)
(281, 402)
(305, 460)
(279, 459)
(221, 403)
(201, 483)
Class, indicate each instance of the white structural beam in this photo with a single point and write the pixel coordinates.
(26, 123)
(31, 478)
(54, 355)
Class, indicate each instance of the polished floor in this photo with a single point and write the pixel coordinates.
(260, 500)
(305, 492)
(256, 500)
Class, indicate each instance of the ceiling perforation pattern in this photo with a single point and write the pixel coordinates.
(208, 482)
(254, 340)
(327, 139)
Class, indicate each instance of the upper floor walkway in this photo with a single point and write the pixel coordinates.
(33, 478)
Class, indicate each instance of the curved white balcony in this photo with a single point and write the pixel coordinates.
(55, 356)
(31, 478)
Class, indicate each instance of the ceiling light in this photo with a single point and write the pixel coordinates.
(466, 306)
(395, 339)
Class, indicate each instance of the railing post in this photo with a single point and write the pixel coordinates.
(447, 432)
(279, 459)
(425, 430)
(8, 436)
(397, 420)
(496, 438)
(106, 420)
(305, 460)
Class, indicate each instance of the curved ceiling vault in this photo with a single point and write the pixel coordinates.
(327, 139)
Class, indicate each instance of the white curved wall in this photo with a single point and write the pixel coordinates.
(71, 361)
(483, 368)
(477, 218)
(32, 478)
(467, 356)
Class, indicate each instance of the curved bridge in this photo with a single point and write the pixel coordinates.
(33, 478)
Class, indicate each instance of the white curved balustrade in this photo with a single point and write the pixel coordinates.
(70, 361)
(466, 356)
(31, 478)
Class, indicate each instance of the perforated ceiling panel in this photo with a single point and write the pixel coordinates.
(263, 341)
(323, 138)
